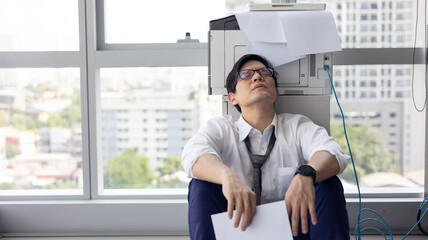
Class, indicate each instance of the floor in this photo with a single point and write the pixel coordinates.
(365, 237)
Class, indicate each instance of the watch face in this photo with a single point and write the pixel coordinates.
(306, 170)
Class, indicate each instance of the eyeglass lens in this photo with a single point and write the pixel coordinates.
(264, 72)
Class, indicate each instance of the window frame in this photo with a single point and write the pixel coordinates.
(58, 59)
(161, 213)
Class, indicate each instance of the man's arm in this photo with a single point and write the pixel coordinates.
(239, 196)
(325, 164)
(300, 196)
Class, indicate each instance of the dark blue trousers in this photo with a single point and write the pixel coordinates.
(207, 198)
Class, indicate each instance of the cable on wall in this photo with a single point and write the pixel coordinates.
(382, 222)
(414, 55)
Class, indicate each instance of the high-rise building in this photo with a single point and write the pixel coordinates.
(157, 123)
(377, 95)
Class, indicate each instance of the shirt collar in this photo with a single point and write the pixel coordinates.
(244, 128)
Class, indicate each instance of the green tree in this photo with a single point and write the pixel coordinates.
(171, 165)
(56, 120)
(128, 170)
(12, 150)
(21, 121)
(8, 186)
(167, 174)
(369, 151)
(69, 115)
(3, 120)
(68, 184)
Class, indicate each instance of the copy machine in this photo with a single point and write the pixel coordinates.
(304, 85)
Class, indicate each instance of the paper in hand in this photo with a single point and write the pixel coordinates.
(270, 223)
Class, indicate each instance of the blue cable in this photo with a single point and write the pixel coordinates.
(358, 231)
(357, 228)
(423, 215)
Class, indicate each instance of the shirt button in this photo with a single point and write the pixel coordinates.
(263, 148)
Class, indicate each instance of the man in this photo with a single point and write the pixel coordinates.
(237, 163)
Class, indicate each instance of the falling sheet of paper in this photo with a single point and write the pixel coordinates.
(277, 53)
(261, 27)
(310, 32)
(270, 223)
(285, 36)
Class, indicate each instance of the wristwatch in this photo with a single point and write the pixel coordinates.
(308, 171)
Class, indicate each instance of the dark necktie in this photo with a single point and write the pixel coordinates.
(258, 161)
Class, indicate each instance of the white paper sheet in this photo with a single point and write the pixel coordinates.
(270, 223)
(310, 32)
(261, 27)
(285, 36)
(277, 53)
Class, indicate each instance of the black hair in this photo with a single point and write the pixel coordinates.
(232, 77)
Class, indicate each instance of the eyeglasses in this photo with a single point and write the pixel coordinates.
(249, 73)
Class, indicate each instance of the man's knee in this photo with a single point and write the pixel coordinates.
(205, 192)
(205, 199)
(331, 210)
(330, 191)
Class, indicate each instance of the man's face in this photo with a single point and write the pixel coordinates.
(256, 89)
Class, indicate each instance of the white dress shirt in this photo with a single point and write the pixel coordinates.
(297, 139)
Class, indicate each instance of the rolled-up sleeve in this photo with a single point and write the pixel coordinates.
(314, 138)
(206, 141)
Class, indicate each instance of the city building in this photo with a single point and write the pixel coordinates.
(157, 123)
(378, 95)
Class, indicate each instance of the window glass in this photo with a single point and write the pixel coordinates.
(159, 21)
(131, 126)
(168, 24)
(388, 22)
(385, 131)
(39, 25)
(40, 129)
(148, 115)
(164, 21)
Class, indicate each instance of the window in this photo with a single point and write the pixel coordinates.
(400, 5)
(40, 128)
(337, 84)
(40, 107)
(48, 54)
(170, 92)
(47, 25)
(398, 114)
(400, 27)
(166, 26)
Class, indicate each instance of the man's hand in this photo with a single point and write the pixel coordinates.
(240, 197)
(299, 199)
